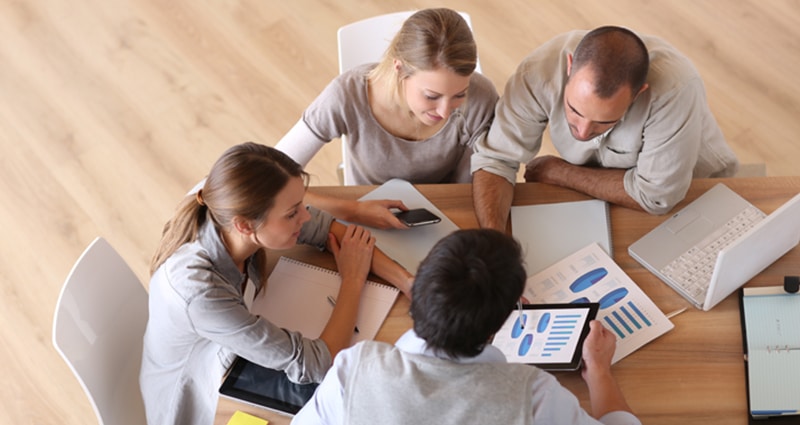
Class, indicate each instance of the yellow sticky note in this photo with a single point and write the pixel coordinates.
(242, 418)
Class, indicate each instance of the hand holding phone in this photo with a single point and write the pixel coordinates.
(417, 217)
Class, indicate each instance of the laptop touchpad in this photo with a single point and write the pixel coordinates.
(682, 219)
(695, 230)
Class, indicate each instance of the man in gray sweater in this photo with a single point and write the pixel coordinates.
(444, 371)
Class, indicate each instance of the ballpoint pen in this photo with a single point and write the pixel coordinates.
(332, 302)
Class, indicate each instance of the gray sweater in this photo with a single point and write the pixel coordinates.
(373, 155)
(199, 321)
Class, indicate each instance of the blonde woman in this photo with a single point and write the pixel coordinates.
(414, 115)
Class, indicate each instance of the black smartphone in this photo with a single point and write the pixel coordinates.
(417, 217)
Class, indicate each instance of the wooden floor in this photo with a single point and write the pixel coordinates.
(112, 109)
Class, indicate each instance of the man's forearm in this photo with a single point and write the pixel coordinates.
(604, 394)
(601, 183)
(491, 197)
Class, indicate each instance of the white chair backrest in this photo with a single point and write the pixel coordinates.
(98, 327)
(365, 41)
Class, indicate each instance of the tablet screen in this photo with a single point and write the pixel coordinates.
(549, 336)
(265, 387)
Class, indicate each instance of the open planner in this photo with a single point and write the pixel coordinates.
(771, 334)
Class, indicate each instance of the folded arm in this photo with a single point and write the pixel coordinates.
(601, 183)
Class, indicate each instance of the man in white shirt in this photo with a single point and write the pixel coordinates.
(444, 370)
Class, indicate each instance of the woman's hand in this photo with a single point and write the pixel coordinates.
(353, 254)
(375, 213)
(378, 214)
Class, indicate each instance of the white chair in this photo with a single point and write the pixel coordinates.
(98, 328)
(365, 41)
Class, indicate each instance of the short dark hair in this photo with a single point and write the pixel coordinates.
(465, 289)
(617, 56)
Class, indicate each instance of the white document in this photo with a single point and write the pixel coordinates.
(409, 246)
(550, 232)
(591, 275)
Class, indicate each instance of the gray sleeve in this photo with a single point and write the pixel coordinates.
(515, 135)
(315, 231)
(671, 143)
(479, 115)
(326, 118)
(220, 315)
(338, 107)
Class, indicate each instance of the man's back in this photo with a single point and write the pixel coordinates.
(402, 388)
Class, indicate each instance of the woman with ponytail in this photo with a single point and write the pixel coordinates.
(210, 264)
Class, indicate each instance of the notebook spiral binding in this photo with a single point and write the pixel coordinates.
(781, 349)
(333, 272)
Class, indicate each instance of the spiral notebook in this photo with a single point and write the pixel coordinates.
(771, 334)
(551, 232)
(297, 298)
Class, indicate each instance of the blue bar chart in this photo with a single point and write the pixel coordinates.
(540, 336)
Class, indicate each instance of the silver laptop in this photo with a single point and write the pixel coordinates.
(716, 244)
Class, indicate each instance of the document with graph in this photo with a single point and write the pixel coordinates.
(771, 324)
(591, 275)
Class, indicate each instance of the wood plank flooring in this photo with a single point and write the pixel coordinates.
(112, 109)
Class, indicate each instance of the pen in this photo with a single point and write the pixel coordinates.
(675, 313)
(332, 302)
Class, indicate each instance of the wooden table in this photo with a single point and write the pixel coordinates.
(693, 374)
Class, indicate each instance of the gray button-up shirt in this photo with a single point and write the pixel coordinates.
(199, 322)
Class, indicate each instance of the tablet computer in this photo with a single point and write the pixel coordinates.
(549, 336)
(264, 387)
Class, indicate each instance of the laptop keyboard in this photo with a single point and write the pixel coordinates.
(692, 270)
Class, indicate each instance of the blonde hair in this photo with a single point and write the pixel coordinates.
(243, 182)
(428, 40)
